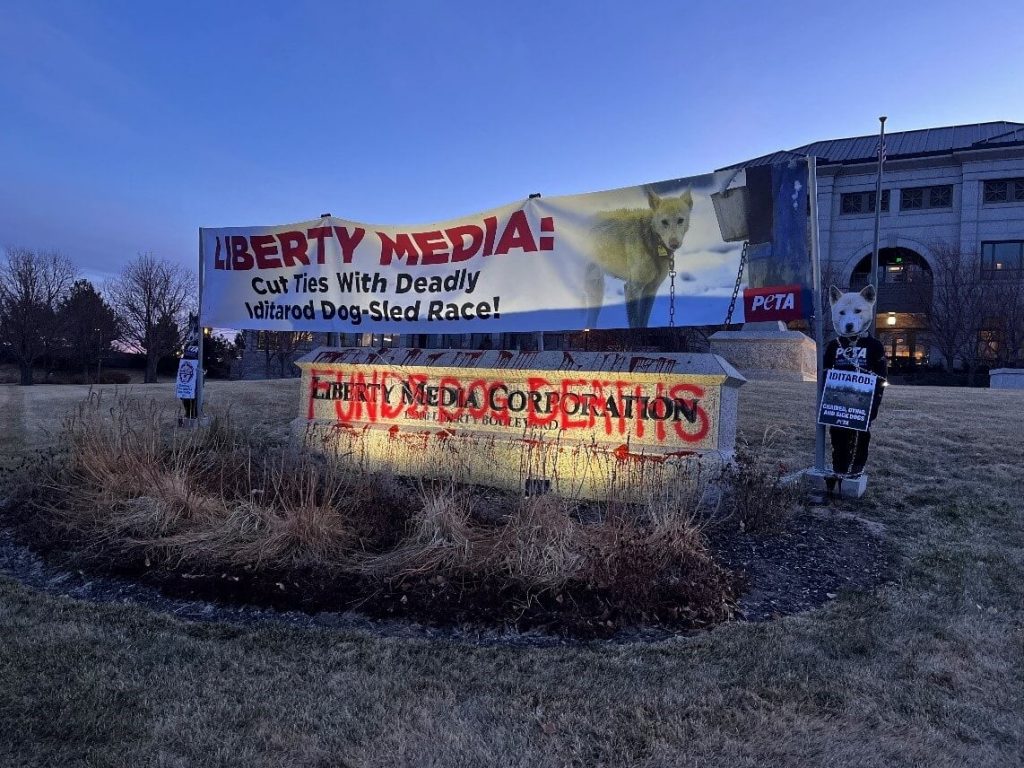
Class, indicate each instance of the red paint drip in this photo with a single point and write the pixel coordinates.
(623, 454)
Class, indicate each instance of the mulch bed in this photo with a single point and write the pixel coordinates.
(814, 558)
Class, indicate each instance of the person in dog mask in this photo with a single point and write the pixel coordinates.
(854, 349)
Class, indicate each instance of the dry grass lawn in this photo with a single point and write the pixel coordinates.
(926, 672)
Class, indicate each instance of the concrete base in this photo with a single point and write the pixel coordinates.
(833, 485)
(768, 352)
(1006, 378)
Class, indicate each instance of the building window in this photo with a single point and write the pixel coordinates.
(911, 199)
(862, 202)
(1004, 191)
(990, 344)
(920, 198)
(1002, 259)
(940, 197)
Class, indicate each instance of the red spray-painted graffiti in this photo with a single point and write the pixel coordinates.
(659, 411)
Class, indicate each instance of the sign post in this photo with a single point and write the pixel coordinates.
(186, 378)
(878, 215)
(819, 477)
(200, 376)
(819, 319)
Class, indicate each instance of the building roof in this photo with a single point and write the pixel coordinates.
(903, 144)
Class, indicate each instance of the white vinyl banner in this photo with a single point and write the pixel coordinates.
(657, 255)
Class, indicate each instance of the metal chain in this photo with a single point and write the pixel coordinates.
(736, 288)
(672, 293)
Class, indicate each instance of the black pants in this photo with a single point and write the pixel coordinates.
(849, 449)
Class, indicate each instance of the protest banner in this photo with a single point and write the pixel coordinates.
(656, 255)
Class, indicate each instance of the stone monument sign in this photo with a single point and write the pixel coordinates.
(591, 424)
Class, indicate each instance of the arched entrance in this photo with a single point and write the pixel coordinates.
(904, 298)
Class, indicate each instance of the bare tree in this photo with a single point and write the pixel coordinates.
(152, 297)
(958, 307)
(1005, 296)
(32, 285)
(266, 341)
(280, 346)
(288, 343)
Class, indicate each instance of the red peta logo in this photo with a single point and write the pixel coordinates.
(779, 302)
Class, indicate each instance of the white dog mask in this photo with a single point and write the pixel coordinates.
(852, 312)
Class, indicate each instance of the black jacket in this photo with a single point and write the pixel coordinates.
(864, 354)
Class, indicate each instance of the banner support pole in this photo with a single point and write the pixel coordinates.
(878, 217)
(819, 320)
(200, 373)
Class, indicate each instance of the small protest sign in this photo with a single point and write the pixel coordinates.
(185, 383)
(846, 400)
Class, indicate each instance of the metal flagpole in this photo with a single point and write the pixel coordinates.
(878, 216)
(539, 335)
(333, 338)
(200, 375)
(819, 320)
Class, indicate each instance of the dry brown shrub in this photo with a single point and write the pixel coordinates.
(119, 482)
(298, 512)
(130, 484)
(658, 569)
(129, 488)
(539, 545)
(441, 538)
(757, 498)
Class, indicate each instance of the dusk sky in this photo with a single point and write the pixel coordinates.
(128, 125)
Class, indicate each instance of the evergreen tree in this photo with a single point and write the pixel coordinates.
(89, 327)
